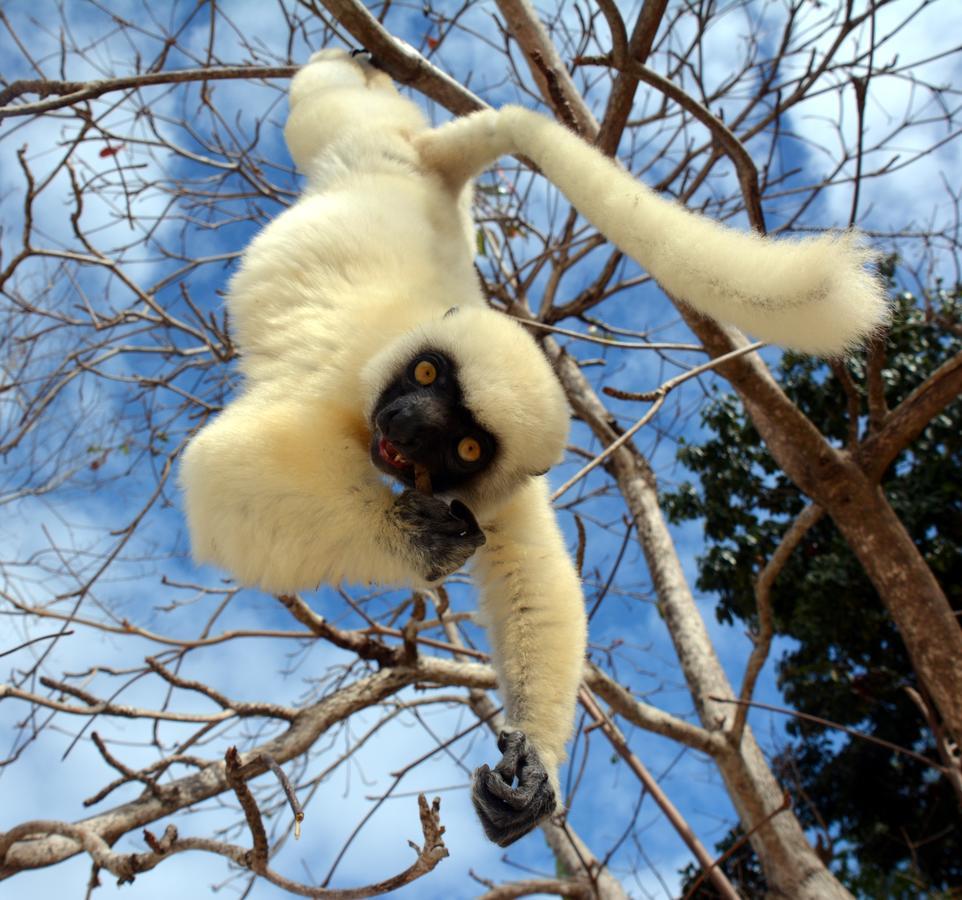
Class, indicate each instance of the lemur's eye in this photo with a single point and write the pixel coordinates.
(425, 372)
(469, 449)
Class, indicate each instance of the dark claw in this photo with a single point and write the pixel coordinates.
(508, 812)
(443, 537)
(364, 56)
(460, 512)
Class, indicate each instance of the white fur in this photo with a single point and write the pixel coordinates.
(331, 300)
(342, 289)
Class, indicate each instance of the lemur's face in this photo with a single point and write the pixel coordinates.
(420, 422)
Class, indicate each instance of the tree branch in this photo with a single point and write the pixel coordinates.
(649, 717)
(70, 92)
(126, 866)
(744, 165)
(574, 888)
(620, 745)
(625, 85)
(310, 724)
(904, 423)
(547, 68)
(401, 61)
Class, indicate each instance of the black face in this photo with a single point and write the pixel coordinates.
(420, 418)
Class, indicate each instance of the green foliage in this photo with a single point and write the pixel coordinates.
(897, 824)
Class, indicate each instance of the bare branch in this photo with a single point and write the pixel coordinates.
(904, 423)
(68, 93)
(400, 61)
(649, 717)
(568, 887)
(310, 723)
(546, 67)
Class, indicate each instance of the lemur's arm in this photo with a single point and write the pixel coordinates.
(812, 294)
(279, 490)
(532, 602)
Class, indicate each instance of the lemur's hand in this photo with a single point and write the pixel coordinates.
(508, 813)
(442, 537)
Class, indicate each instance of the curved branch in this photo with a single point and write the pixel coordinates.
(625, 85)
(616, 25)
(726, 139)
(805, 520)
(126, 866)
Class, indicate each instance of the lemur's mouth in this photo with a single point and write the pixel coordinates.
(391, 455)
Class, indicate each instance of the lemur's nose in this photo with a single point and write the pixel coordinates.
(408, 421)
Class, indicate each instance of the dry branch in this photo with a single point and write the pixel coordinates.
(68, 93)
(310, 723)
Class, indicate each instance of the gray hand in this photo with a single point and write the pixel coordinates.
(442, 537)
(508, 813)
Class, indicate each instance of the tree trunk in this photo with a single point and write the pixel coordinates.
(907, 587)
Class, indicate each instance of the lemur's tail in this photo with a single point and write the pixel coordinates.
(339, 98)
(813, 294)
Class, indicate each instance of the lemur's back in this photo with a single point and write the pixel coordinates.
(378, 241)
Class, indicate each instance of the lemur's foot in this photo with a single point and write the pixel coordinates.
(508, 813)
(363, 57)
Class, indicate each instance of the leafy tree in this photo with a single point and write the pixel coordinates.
(891, 823)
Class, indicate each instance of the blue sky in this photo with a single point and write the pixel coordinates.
(50, 542)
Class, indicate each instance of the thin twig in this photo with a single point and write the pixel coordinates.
(71, 92)
(948, 751)
(785, 805)
(288, 789)
(45, 637)
(660, 394)
(827, 723)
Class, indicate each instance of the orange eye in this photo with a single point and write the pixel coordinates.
(425, 373)
(469, 449)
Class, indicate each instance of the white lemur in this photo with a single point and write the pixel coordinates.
(368, 351)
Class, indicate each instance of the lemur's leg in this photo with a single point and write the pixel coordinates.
(340, 100)
(812, 294)
(534, 611)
